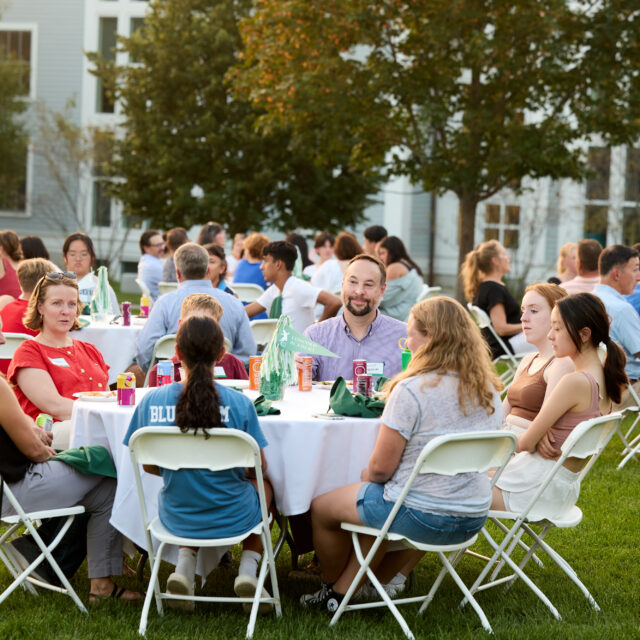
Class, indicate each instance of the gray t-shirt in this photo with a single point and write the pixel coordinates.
(420, 411)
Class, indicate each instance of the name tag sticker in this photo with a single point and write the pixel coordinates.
(218, 372)
(59, 362)
(375, 368)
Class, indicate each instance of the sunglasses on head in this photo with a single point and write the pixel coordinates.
(58, 275)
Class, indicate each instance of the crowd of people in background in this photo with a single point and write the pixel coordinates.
(578, 337)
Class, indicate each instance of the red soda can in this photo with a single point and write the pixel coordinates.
(359, 369)
(126, 314)
(305, 374)
(364, 385)
(126, 389)
(255, 364)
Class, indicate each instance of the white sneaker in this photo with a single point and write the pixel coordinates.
(245, 587)
(180, 585)
(368, 592)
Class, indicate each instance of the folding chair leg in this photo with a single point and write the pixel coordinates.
(436, 585)
(154, 588)
(364, 568)
(463, 587)
(12, 565)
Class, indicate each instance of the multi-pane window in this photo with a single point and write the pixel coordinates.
(596, 211)
(16, 46)
(107, 41)
(502, 223)
(101, 206)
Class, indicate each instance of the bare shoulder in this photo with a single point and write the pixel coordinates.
(574, 382)
(396, 270)
(560, 367)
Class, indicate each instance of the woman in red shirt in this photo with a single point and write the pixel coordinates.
(10, 256)
(49, 369)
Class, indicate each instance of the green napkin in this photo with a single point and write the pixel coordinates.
(89, 461)
(344, 403)
(264, 408)
(276, 308)
(83, 323)
(379, 382)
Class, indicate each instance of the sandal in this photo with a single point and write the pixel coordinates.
(116, 593)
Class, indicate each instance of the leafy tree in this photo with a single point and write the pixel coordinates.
(190, 150)
(13, 134)
(463, 95)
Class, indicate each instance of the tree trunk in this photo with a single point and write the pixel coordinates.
(466, 234)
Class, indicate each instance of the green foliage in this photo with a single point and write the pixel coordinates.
(183, 127)
(463, 95)
(13, 134)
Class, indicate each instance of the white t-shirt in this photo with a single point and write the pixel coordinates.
(298, 300)
(328, 276)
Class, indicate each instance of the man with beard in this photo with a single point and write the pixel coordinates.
(362, 332)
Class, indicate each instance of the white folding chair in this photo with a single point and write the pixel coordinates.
(143, 288)
(163, 349)
(446, 455)
(22, 577)
(511, 361)
(221, 449)
(587, 440)
(428, 292)
(13, 341)
(247, 291)
(262, 331)
(166, 287)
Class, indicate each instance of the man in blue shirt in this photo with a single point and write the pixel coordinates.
(151, 262)
(192, 263)
(619, 268)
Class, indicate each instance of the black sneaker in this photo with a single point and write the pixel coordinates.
(25, 552)
(326, 599)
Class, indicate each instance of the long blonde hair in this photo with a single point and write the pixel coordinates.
(477, 262)
(565, 250)
(455, 346)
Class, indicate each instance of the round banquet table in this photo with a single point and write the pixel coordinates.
(116, 343)
(306, 455)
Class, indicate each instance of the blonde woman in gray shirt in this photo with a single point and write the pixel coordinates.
(450, 386)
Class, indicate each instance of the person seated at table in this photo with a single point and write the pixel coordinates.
(152, 247)
(330, 274)
(212, 232)
(80, 257)
(218, 267)
(579, 323)
(404, 278)
(49, 369)
(248, 269)
(450, 386)
(297, 297)
(40, 483)
(323, 247)
(362, 331)
(587, 276)
(566, 267)
(10, 256)
(192, 264)
(303, 248)
(200, 503)
(34, 247)
(176, 237)
(237, 251)
(482, 274)
(538, 373)
(202, 304)
(29, 273)
(372, 237)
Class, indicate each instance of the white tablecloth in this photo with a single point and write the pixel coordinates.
(116, 343)
(306, 455)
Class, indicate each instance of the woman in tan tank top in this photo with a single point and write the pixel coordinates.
(538, 372)
(579, 323)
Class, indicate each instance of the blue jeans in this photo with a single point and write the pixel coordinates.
(429, 528)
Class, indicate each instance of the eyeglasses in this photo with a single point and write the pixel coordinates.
(157, 244)
(58, 275)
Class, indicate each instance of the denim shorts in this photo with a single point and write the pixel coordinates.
(429, 528)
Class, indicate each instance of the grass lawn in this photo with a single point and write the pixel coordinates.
(602, 549)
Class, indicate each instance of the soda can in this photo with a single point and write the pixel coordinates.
(126, 389)
(364, 385)
(126, 314)
(144, 306)
(359, 369)
(406, 358)
(305, 374)
(45, 422)
(255, 364)
(164, 372)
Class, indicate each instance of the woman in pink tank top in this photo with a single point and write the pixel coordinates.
(579, 323)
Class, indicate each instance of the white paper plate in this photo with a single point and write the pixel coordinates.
(96, 396)
(229, 382)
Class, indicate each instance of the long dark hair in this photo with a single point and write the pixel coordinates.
(301, 243)
(584, 310)
(199, 340)
(398, 252)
